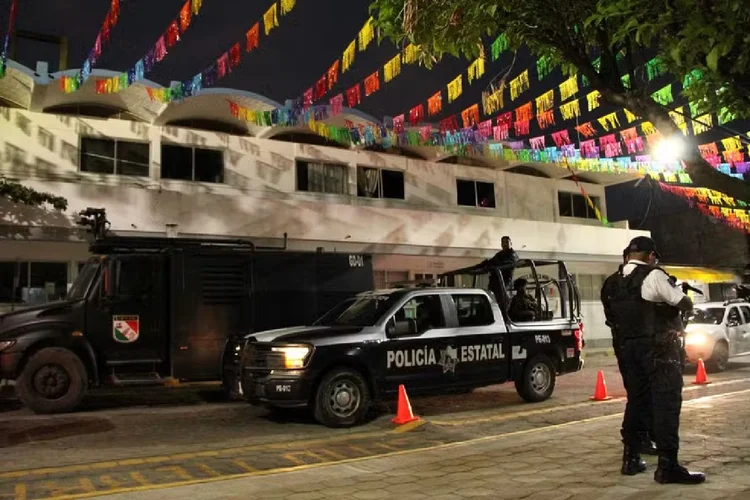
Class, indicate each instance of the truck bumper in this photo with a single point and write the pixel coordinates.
(282, 390)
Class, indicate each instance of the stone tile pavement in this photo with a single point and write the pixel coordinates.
(577, 460)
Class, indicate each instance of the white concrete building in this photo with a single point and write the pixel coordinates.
(192, 164)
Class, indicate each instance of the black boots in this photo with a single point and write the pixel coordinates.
(632, 463)
(647, 446)
(670, 471)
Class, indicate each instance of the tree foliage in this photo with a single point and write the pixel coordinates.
(621, 35)
(18, 193)
(711, 37)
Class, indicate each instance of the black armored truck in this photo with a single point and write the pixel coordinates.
(432, 339)
(150, 310)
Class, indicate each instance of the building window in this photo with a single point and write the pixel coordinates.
(380, 183)
(31, 283)
(475, 193)
(187, 163)
(114, 156)
(575, 205)
(322, 177)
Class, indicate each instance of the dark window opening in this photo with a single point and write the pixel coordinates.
(114, 156)
(380, 183)
(192, 164)
(575, 205)
(475, 193)
(31, 283)
(322, 177)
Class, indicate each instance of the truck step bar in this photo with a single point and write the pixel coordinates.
(137, 379)
(117, 362)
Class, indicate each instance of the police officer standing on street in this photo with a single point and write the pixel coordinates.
(645, 307)
(644, 419)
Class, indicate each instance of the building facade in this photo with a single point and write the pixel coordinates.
(419, 213)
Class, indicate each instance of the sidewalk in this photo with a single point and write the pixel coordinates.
(577, 461)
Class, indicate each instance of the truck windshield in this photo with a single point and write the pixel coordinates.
(83, 281)
(364, 311)
(708, 316)
(334, 313)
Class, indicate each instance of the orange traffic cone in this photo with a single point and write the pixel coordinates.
(404, 414)
(600, 392)
(700, 374)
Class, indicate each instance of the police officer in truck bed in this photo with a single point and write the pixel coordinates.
(644, 307)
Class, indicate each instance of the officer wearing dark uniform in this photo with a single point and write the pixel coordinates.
(504, 257)
(645, 308)
(643, 420)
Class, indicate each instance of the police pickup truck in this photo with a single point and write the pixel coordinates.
(434, 340)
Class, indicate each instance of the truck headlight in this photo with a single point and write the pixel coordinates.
(294, 357)
(6, 344)
(696, 339)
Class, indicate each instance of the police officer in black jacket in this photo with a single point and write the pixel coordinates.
(643, 419)
(645, 309)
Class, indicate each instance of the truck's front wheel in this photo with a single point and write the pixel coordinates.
(537, 382)
(342, 398)
(53, 380)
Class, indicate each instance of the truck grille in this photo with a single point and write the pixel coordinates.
(256, 357)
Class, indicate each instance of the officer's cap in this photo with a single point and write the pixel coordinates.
(642, 244)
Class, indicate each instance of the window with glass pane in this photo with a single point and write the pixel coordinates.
(9, 282)
(132, 158)
(48, 281)
(475, 193)
(209, 165)
(192, 164)
(97, 155)
(176, 162)
(485, 194)
(575, 205)
(322, 177)
(380, 183)
(466, 192)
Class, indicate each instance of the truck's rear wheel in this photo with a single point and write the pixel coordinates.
(342, 398)
(53, 380)
(537, 382)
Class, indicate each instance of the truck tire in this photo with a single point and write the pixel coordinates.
(54, 380)
(341, 399)
(537, 382)
(719, 360)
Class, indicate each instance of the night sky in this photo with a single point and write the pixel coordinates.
(288, 61)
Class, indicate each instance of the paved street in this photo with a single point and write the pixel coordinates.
(135, 441)
(579, 460)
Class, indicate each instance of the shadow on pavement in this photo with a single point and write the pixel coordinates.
(15, 432)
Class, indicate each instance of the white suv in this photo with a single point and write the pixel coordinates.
(717, 331)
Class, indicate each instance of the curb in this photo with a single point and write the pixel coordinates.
(599, 353)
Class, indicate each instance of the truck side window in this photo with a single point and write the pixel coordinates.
(427, 310)
(734, 316)
(746, 313)
(473, 310)
(133, 277)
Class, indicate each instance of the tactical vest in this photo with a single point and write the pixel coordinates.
(633, 316)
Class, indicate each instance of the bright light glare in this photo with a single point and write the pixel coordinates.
(670, 149)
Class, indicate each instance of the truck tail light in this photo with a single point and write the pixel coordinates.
(578, 334)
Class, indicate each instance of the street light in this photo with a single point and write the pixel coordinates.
(669, 149)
